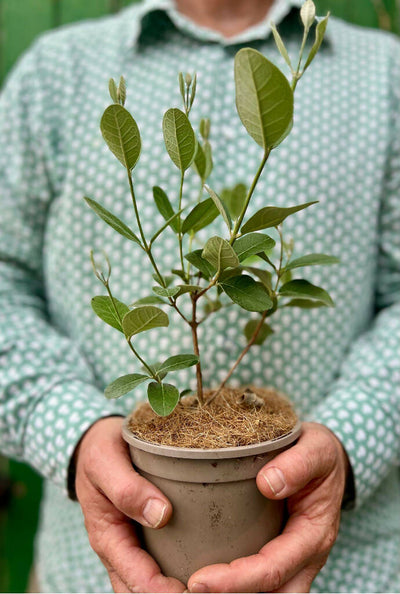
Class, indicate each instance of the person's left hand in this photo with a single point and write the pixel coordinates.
(312, 476)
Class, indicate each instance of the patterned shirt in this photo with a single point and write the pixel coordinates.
(340, 366)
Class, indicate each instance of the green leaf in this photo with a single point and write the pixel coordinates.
(103, 307)
(200, 163)
(180, 273)
(312, 260)
(304, 304)
(124, 384)
(220, 253)
(281, 46)
(247, 293)
(165, 207)
(262, 335)
(187, 289)
(319, 37)
(179, 137)
(155, 369)
(237, 199)
(201, 216)
(209, 160)
(252, 244)
(304, 289)
(168, 280)
(221, 207)
(112, 220)
(162, 292)
(272, 216)
(178, 362)
(121, 134)
(264, 275)
(197, 260)
(149, 300)
(112, 87)
(264, 98)
(163, 398)
(143, 318)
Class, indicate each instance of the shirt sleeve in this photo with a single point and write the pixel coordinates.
(48, 397)
(363, 408)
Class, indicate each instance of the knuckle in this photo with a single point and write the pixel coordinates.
(125, 497)
(328, 541)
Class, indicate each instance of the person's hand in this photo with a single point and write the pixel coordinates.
(111, 495)
(312, 475)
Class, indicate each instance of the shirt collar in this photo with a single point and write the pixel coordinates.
(278, 12)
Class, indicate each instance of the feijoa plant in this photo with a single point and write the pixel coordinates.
(241, 267)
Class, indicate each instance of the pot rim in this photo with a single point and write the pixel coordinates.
(218, 453)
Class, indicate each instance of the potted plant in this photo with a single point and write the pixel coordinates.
(204, 448)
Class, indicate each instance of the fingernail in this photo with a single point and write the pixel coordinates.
(275, 479)
(154, 512)
(197, 587)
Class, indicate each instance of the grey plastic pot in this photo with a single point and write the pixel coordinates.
(219, 514)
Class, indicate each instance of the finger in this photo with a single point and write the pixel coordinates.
(115, 541)
(301, 582)
(111, 472)
(311, 459)
(277, 562)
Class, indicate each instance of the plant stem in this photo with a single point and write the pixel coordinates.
(279, 270)
(249, 195)
(153, 375)
(180, 236)
(297, 75)
(238, 360)
(194, 324)
(147, 247)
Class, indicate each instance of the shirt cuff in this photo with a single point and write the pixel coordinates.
(365, 430)
(58, 422)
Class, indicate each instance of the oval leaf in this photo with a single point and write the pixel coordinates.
(178, 362)
(179, 137)
(143, 318)
(201, 264)
(319, 37)
(201, 216)
(124, 384)
(163, 398)
(112, 220)
(272, 216)
(251, 244)
(121, 134)
(223, 209)
(200, 163)
(262, 335)
(165, 207)
(220, 253)
(149, 300)
(247, 293)
(312, 260)
(264, 98)
(103, 307)
(305, 290)
(163, 292)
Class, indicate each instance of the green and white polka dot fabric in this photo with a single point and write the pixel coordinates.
(340, 366)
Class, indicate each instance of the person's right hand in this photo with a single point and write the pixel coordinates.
(112, 494)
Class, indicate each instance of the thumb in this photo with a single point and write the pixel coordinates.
(312, 457)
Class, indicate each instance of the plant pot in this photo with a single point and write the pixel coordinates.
(218, 512)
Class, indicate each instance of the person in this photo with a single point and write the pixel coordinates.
(341, 366)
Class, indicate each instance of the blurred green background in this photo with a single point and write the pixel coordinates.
(20, 22)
